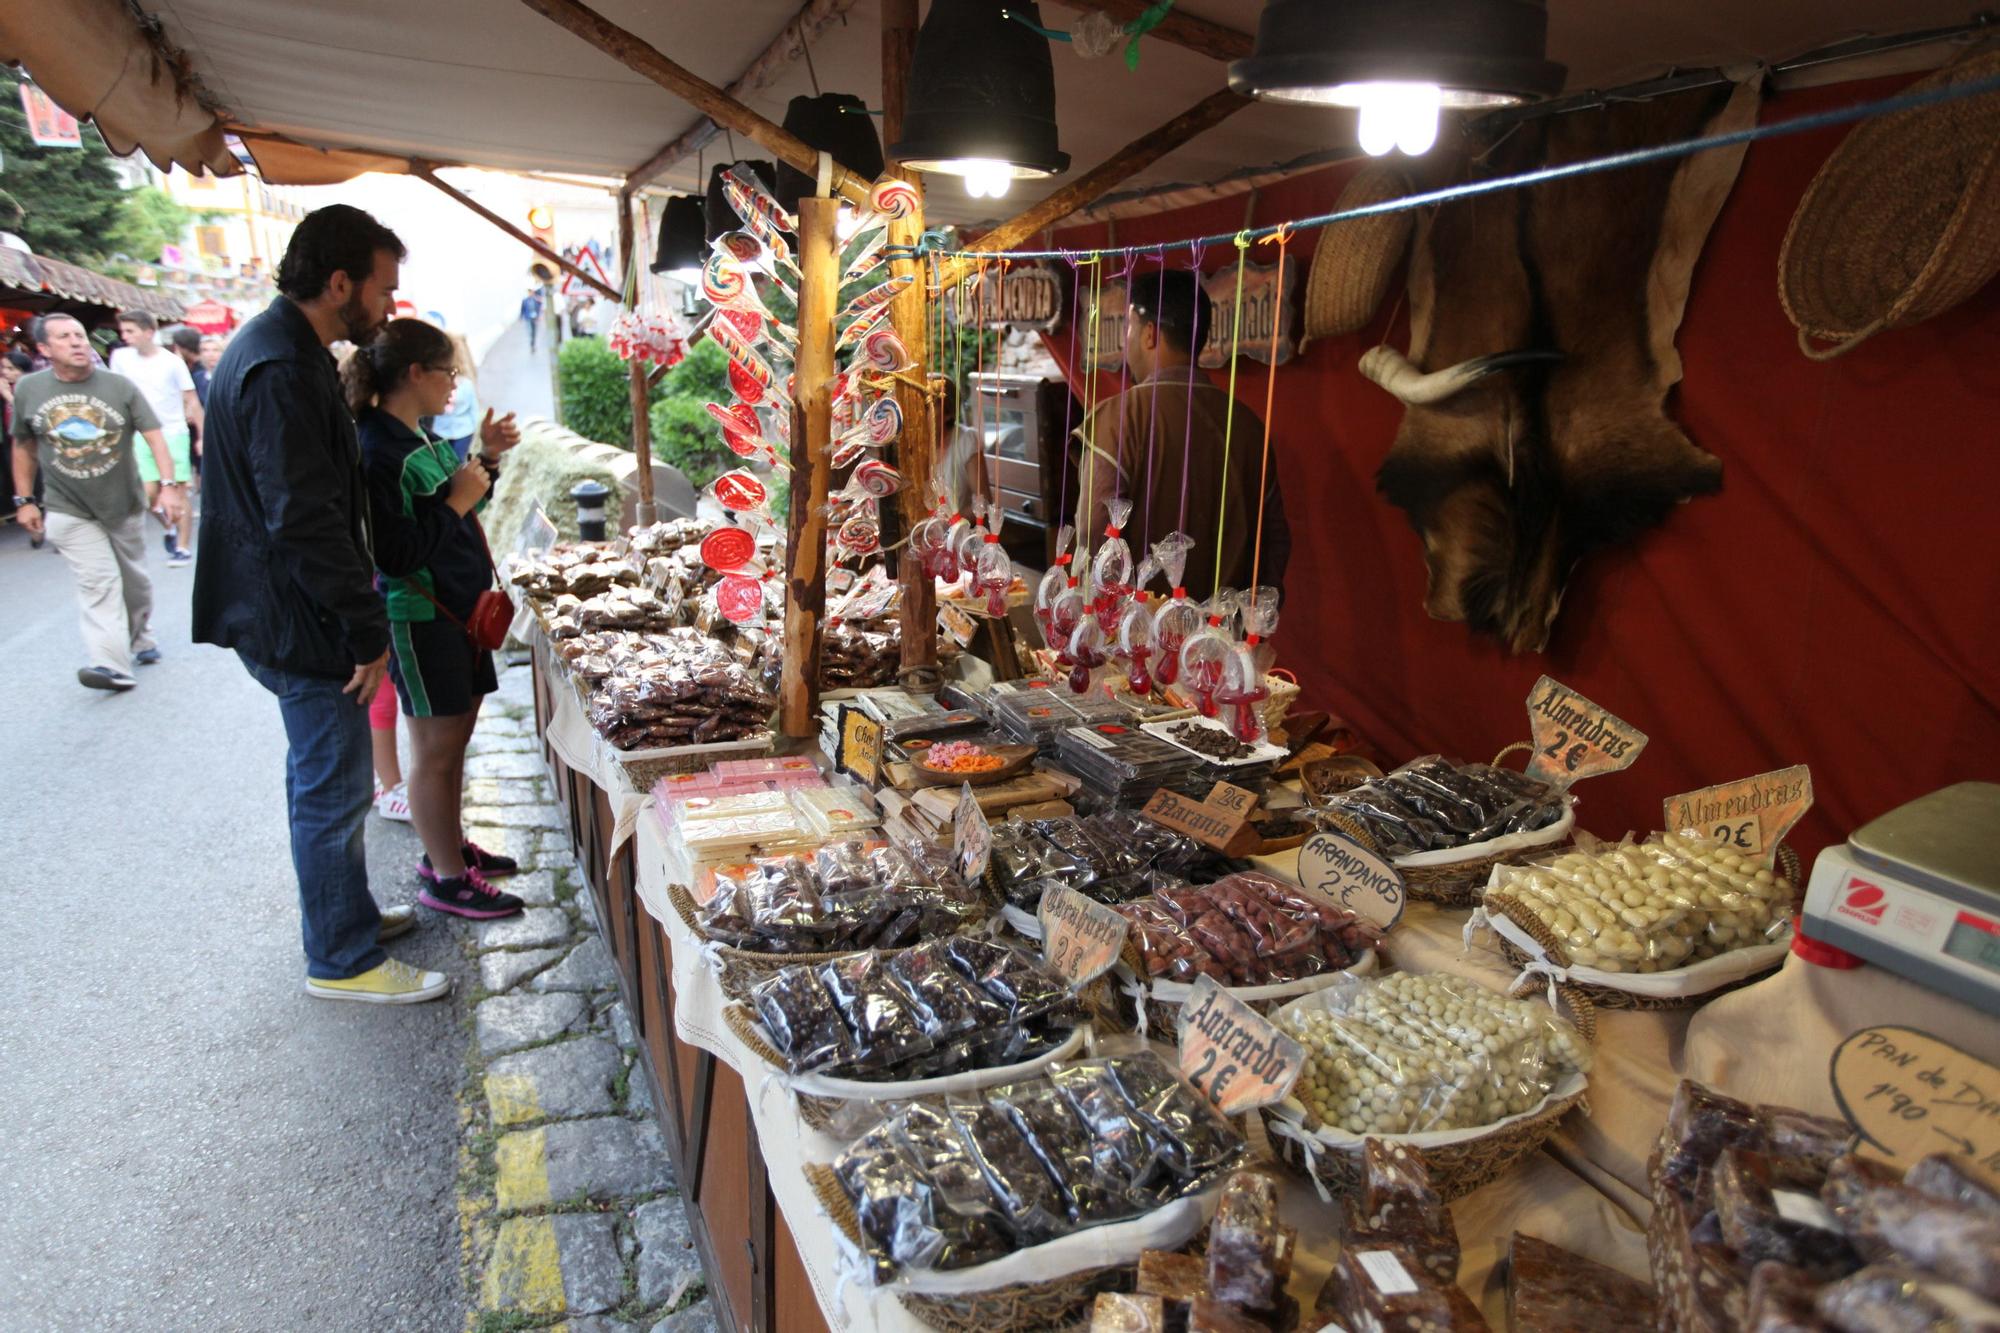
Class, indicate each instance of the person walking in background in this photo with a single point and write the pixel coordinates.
(423, 502)
(211, 352)
(165, 381)
(286, 579)
(460, 418)
(12, 367)
(185, 341)
(531, 314)
(82, 421)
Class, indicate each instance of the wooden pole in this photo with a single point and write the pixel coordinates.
(916, 452)
(1196, 34)
(812, 440)
(814, 18)
(1115, 170)
(642, 421)
(423, 171)
(640, 56)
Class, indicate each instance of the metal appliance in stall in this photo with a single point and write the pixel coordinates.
(1021, 426)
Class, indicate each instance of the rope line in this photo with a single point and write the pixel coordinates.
(1229, 420)
(1270, 399)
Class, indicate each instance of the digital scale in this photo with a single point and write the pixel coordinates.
(1917, 891)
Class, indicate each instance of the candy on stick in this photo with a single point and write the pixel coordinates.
(883, 350)
(860, 327)
(866, 255)
(1179, 618)
(745, 384)
(1135, 644)
(873, 477)
(875, 298)
(1054, 580)
(760, 211)
(894, 198)
(994, 569)
(1206, 654)
(860, 536)
(640, 338)
(748, 251)
(742, 430)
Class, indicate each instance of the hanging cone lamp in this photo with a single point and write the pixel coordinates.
(982, 101)
(836, 123)
(1400, 62)
(683, 243)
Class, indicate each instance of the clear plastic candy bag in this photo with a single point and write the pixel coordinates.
(1179, 617)
(1135, 645)
(1206, 653)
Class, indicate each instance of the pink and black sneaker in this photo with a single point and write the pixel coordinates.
(468, 895)
(490, 864)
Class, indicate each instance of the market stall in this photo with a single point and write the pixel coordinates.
(1025, 948)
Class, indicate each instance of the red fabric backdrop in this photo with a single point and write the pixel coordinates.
(1837, 604)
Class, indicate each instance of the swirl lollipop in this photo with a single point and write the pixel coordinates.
(860, 536)
(876, 479)
(1135, 645)
(884, 422)
(1174, 622)
(882, 350)
(760, 211)
(749, 252)
(894, 198)
(860, 327)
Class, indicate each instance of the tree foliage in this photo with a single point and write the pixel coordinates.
(149, 220)
(64, 202)
(594, 391)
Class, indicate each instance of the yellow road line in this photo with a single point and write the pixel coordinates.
(521, 1160)
(525, 1272)
(512, 1098)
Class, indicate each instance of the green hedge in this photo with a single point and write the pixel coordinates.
(594, 391)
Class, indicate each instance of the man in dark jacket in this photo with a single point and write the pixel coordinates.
(285, 578)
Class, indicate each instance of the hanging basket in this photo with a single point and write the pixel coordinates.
(1355, 261)
(1903, 220)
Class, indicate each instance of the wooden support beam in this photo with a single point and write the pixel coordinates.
(812, 470)
(916, 451)
(640, 56)
(424, 171)
(1196, 34)
(1114, 171)
(811, 20)
(642, 420)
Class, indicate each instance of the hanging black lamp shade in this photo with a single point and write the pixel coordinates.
(721, 217)
(1326, 52)
(982, 93)
(836, 123)
(683, 243)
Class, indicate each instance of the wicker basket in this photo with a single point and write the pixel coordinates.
(1456, 1168)
(1903, 220)
(740, 970)
(1284, 692)
(1611, 997)
(1355, 261)
(820, 1111)
(1023, 1307)
(1163, 1016)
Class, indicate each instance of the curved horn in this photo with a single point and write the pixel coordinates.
(1393, 371)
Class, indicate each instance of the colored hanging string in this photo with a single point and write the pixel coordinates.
(978, 391)
(1283, 238)
(1229, 421)
(1124, 365)
(1193, 370)
(1152, 417)
(1086, 510)
(1073, 369)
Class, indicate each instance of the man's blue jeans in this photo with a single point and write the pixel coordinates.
(329, 785)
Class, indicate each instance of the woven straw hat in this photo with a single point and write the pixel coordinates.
(1903, 220)
(1354, 261)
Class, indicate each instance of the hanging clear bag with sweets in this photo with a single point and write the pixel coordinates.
(993, 569)
(1206, 653)
(1054, 580)
(1178, 617)
(1111, 567)
(930, 539)
(1088, 653)
(1135, 645)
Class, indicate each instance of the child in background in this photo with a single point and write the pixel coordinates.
(392, 798)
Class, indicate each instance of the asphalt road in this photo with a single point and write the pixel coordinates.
(187, 1140)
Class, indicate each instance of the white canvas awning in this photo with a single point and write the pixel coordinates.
(323, 89)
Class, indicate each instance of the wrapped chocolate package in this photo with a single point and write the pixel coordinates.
(1116, 1313)
(844, 896)
(1952, 1180)
(1397, 1205)
(1010, 1188)
(678, 688)
(1243, 1242)
(1769, 1208)
(1431, 805)
(1551, 1290)
(1886, 1298)
(1957, 1243)
(1385, 1288)
(1245, 929)
(1781, 1301)
(1700, 1124)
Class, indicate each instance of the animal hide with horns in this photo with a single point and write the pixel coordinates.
(1513, 480)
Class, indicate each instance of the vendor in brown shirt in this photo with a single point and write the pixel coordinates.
(1174, 417)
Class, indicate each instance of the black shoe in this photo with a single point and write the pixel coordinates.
(147, 656)
(167, 540)
(469, 895)
(491, 864)
(104, 678)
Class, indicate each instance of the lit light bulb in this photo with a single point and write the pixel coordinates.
(1398, 115)
(987, 179)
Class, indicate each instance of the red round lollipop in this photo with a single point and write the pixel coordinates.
(739, 597)
(728, 548)
(740, 492)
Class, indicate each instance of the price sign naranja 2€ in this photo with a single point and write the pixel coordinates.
(1575, 738)
(1233, 1055)
(1750, 815)
(1080, 938)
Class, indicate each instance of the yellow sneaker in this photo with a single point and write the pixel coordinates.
(396, 921)
(392, 982)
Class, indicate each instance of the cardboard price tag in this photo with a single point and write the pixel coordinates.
(1574, 738)
(860, 745)
(971, 837)
(1750, 815)
(1910, 1095)
(1081, 939)
(1344, 872)
(1214, 822)
(1233, 1055)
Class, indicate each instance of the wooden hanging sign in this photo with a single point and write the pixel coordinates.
(1081, 938)
(1345, 873)
(1011, 296)
(1909, 1094)
(1232, 1054)
(1574, 738)
(1750, 815)
(1264, 305)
